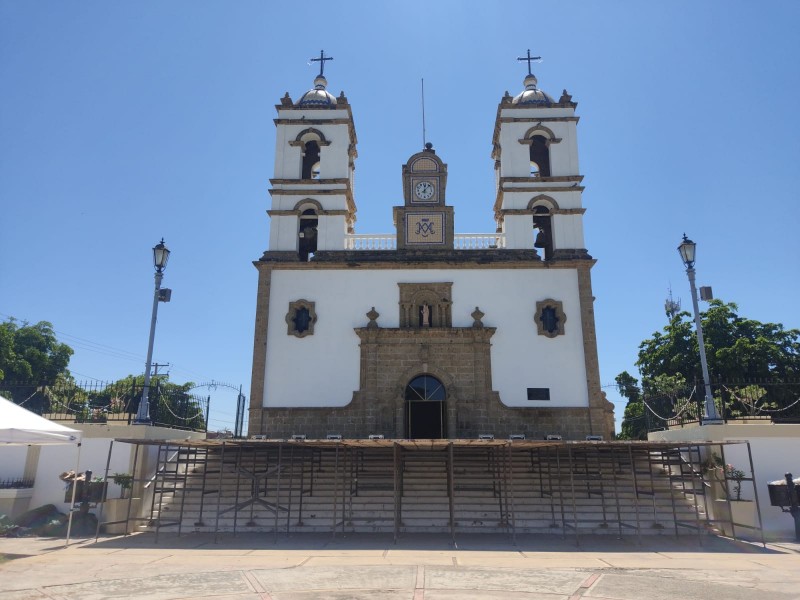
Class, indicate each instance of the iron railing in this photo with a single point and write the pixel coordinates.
(16, 484)
(736, 401)
(104, 402)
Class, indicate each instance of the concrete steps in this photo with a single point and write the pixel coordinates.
(320, 491)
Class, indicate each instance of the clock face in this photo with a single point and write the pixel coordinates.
(424, 190)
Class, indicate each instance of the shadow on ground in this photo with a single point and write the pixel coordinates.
(432, 542)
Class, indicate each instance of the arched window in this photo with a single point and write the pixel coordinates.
(540, 156)
(425, 388)
(543, 225)
(310, 160)
(307, 233)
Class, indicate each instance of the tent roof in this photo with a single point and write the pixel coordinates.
(20, 426)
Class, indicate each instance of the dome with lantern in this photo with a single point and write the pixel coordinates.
(319, 97)
(531, 94)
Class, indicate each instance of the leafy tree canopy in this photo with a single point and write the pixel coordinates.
(31, 354)
(737, 349)
(171, 404)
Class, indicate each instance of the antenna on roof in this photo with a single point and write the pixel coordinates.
(424, 137)
(672, 307)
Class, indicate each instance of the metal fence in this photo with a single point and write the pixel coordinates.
(103, 402)
(736, 401)
(16, 484)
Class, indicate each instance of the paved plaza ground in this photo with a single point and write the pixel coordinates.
(418, 567)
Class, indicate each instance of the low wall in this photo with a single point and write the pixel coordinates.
(775, 449)
(54, 460)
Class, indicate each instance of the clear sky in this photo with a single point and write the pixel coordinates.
(122, 122)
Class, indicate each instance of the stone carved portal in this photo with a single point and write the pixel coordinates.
(447, 370)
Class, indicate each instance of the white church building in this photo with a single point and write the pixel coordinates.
(426, 333)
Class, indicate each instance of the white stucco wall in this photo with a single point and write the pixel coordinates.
(54, 460)
(515, 157)
(334, 158)
(519, 231)
(323, 369)
(283, 232)
(565, 196)
(775, 450)
(12, 461)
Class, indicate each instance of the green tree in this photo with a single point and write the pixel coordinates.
(738, 349)
(30, 356)
(171, 404)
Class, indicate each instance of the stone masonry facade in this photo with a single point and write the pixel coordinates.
(459, 357)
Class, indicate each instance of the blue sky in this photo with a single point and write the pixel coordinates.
(121, 123)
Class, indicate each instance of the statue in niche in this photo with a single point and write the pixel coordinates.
(424, 316)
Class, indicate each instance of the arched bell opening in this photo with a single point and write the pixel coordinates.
(425, 408)
(543, 226)
(310, 160)
(307, 234)
(540, 156)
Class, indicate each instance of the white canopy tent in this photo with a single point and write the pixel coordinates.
(18, 425)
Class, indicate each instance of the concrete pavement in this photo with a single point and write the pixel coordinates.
(419, 567)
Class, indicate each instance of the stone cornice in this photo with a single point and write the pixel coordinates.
(299, 144)
(544, 188)
(313, 182)
(552, 178)
(538, 119)
(498, 202)
(425, 259)
(320, 121)
(345, 191)
(555, 211)
(322, 213)
(433, 335)
(507, 105)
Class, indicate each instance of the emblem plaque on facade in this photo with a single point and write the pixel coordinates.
(424, 228)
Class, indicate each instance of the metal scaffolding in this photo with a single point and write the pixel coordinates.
(453, 486)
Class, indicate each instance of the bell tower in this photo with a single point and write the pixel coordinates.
(537, 178)
(312, 189)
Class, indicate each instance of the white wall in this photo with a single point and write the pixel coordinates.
(515, 157)
(54, 460)
(775, 450)
(323, 369)
(334, 158)
(12, 461)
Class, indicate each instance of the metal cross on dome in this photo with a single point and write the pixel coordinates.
(322, 58)
(529, 59)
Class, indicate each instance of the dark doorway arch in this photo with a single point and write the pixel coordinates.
(425, 408)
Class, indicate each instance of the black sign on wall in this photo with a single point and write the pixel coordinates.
(538, 393)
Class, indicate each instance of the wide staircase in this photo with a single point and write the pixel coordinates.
(613, 489)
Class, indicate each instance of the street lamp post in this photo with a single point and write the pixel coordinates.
(687, 252)
(160, 258)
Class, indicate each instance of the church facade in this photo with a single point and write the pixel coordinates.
(424, 332)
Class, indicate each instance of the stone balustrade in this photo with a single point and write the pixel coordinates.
(479, 241)
(388, 241)
(369, 241)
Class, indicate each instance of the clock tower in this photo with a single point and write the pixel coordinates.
(424, 221)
